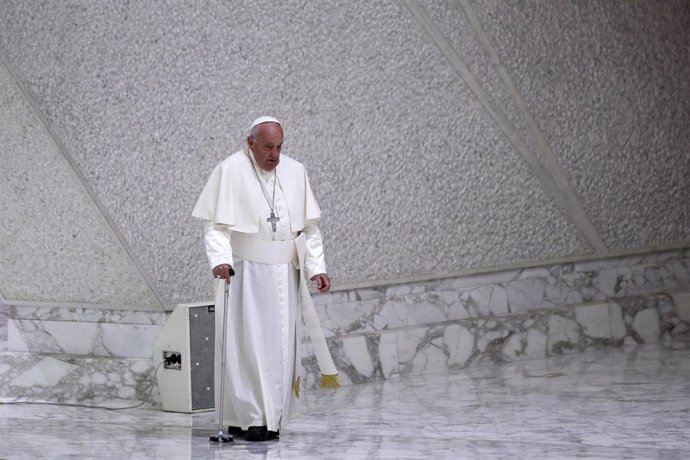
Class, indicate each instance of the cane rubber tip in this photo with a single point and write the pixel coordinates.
(220, 438)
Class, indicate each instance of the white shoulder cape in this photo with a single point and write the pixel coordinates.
(233, 194)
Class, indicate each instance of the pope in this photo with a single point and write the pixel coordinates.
(261, 236)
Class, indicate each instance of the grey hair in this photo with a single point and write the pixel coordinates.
(255, 130)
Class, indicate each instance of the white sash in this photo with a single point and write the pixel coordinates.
(269, 252)
(281, 252)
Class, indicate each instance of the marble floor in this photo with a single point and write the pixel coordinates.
(603, 404)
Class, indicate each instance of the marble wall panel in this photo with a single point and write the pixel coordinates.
(598, 321)
(582, 320)
(682, 303)
(88, 315)
(378, 346)
(105, 381)
(504, 293)
(459, 344)
(82, 338)
(4, 317)
(388, 355)
(83, 332)
(364, 316)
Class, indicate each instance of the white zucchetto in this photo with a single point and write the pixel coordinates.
(264, 119)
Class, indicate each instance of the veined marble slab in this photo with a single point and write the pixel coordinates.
(449, 345)
(503, 293)
(4, 317)
(391, 332)
(62, 378)
(84, 332)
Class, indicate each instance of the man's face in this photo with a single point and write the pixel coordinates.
(266, 146)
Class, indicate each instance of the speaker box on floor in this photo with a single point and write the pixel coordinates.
(186, 349)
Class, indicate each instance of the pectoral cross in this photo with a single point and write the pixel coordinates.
(273, 219)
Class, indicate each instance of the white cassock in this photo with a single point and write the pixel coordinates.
(267, 293)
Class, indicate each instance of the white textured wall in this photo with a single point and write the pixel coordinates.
(440, 136)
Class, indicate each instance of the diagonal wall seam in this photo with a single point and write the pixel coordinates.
(552, 165)
(82, 181)
(552, 176)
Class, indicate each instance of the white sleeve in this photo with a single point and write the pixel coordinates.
(315, 262)
(217, 241)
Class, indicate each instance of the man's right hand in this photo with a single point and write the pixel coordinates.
(223, 271)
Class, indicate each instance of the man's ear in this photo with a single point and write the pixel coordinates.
(250, 141)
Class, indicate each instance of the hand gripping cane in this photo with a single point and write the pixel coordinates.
(221, 436)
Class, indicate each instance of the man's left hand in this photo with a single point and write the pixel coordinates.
(323, 282)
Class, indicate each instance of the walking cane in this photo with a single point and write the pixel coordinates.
(221, 436)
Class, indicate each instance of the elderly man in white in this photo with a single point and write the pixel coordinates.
(261, 237)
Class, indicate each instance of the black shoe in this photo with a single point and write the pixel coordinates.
(236, 431)
(260, 433)
(256, 434)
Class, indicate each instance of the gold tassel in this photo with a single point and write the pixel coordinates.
(330, 381)
(297, 385)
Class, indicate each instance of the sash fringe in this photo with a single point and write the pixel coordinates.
(330, 381)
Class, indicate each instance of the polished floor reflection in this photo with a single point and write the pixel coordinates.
(608, 404)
